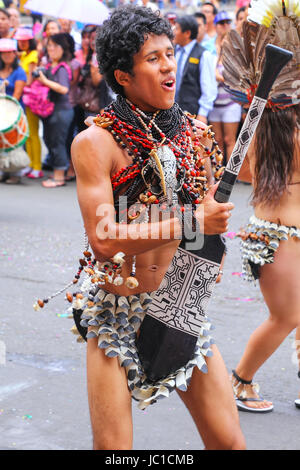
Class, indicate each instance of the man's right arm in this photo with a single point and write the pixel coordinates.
(92, 156)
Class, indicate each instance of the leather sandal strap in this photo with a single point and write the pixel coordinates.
(251, 399)
(239, 379)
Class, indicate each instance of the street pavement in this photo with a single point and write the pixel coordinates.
(43, 398)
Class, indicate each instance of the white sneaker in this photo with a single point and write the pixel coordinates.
(25, 171)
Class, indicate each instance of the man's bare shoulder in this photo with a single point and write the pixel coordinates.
(94, 139)
(200, 127)
(201, 131)
(93, 153)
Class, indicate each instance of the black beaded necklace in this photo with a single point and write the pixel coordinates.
(139, 132)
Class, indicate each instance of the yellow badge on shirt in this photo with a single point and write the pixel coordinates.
(194, 60)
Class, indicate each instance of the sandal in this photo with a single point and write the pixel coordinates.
(13, 180)
(52, 183)
(241, 396)
(70, 178)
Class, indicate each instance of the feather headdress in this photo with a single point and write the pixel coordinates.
(269, 22)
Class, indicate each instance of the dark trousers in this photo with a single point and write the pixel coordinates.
(56, 129)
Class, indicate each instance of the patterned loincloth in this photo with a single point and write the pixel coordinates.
(115, 321)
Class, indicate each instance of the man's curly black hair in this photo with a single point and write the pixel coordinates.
(122, 36)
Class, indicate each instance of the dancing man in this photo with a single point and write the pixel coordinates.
(143, 148)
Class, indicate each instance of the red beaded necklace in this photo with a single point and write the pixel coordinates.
(139, 142)
(189, 151)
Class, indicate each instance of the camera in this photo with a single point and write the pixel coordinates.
(36, 72)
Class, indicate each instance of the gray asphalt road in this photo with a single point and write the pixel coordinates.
(43, 400)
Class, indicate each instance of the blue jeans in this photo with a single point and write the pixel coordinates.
(56, 128)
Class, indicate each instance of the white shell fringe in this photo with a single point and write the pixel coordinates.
(115, 320)
(257, 251)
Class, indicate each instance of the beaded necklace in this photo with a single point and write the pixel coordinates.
(142, 134)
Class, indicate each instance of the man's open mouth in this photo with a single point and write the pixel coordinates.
(169, 84)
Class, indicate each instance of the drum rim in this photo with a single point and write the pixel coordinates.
(22, 142)
(19, 115)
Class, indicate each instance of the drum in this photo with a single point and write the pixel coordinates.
(13, 124)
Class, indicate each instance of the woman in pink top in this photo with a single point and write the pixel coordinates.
(82, 53)
(241, 3)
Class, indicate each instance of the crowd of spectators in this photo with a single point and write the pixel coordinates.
(58, 55)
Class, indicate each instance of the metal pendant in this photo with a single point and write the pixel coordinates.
(163, 161)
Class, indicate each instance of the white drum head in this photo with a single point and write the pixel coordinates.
(9, 113)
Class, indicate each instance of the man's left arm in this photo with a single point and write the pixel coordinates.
(208, 84)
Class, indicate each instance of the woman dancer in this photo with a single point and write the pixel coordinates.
(271, 240)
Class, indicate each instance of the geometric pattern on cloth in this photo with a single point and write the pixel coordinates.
(115, 321)
(181, 299)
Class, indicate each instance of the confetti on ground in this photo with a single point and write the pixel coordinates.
(1, 411)
(243, 299)
(230, 235)
(27, 417)
(237, 274)
(62, 315)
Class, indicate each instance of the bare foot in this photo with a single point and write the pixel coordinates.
(52, 183)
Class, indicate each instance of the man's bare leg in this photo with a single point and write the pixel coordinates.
(109, 400)
(211, 403)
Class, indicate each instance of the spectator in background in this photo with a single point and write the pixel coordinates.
(171, 16)
(15, 78)
(10, 70)
(51, 27)
(226, 114)
(147, 4)
(56, 126)
(93, 91)
(29, 61)
(196, 87)
(4, 24)
(241, 3)
(188, 6)
(75, 67)
(9, 3)
(202, 29)
(82, 53)
(240, 17)
(82, 56)
(67, 26)
(209, 40)
(14, 19)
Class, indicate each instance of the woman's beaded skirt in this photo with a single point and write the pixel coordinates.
(115, 321)
(260, 241)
